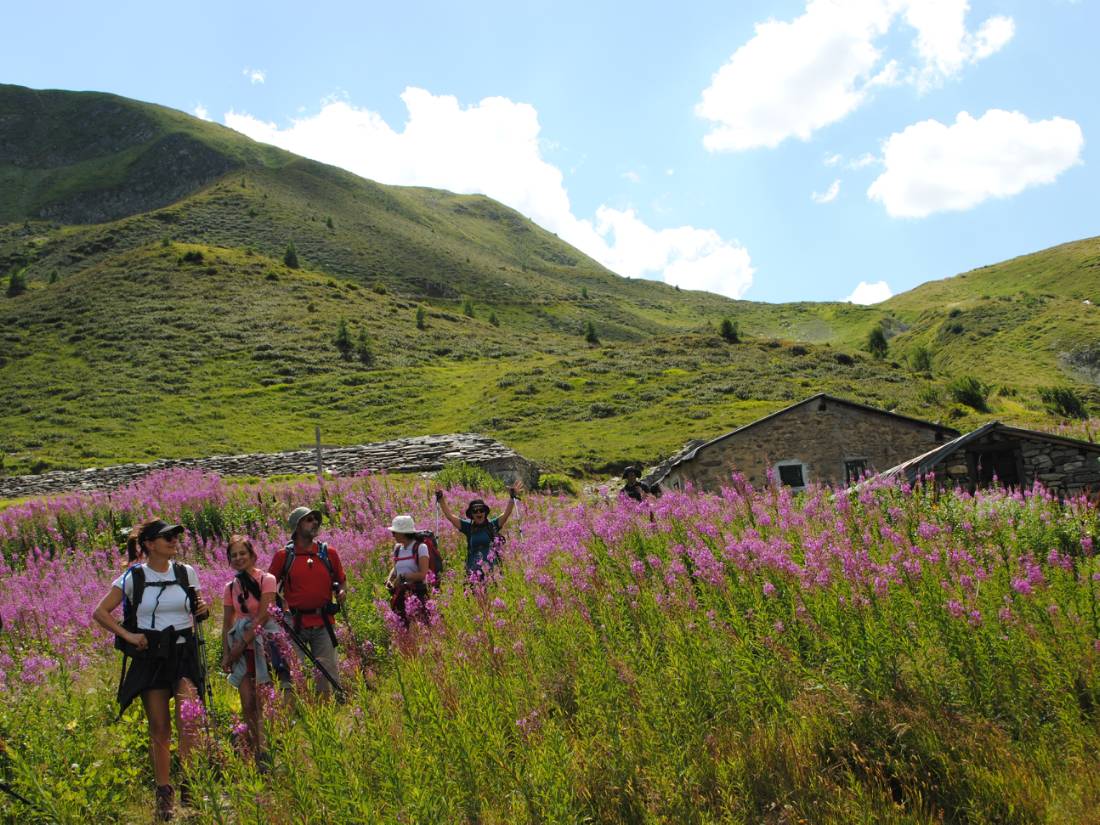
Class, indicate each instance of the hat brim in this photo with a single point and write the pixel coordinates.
(169, 530)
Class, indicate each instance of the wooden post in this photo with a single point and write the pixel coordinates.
(320, 464)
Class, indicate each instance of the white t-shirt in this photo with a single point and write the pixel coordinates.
(161, 607)
(404, 559)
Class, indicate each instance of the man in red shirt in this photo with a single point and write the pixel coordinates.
(308, 584)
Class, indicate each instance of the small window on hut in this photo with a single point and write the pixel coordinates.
(792, 475)
(854, 468)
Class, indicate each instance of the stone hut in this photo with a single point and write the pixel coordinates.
(1015, 457)
(821, 440)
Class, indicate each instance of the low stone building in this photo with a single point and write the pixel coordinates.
(1013, 456)
(821, 440)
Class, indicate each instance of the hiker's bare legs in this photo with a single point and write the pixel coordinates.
(159, 718)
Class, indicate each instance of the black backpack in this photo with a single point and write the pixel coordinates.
(138, 584)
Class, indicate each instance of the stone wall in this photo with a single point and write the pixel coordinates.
(821, 434)
(405, 455)
(1061, 466)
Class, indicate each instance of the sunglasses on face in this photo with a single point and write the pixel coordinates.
(172, 538)
(480, 512)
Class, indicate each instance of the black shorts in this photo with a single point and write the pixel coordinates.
(161, 666)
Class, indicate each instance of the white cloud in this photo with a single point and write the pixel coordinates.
(833, 160)
(830, 194)
(494, 148)
(931, 167)
(255, 75)
(793, 78)
(867, 293)
(863, 161)
(632, 176)
(201, 112)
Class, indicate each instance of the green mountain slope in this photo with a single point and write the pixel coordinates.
(160, 318)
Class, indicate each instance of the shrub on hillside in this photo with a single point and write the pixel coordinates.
(420, 316)
(590, 334)
(876, 343)
(290, 257)
(343, 340)
(557, 483)
(1063, 401)
(920, 359)
(363, 350)
(729, 331)
(17, 283)
(470, 476)
(968, 390)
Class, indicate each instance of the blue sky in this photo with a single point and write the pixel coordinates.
(774, 151)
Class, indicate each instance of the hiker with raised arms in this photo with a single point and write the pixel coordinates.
(247, 602)
(161, 600)
(482, 533)
(310, 576)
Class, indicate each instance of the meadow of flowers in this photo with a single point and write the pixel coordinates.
(890, 655)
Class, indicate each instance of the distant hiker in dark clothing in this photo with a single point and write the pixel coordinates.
(310, 576)
(482, 533)
(636, 489)
(161, 603)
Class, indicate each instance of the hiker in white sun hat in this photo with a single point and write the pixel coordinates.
(411, 565)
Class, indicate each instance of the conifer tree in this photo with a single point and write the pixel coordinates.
(291, 256)
(729, 331)
(420, 315)
(343, 340)
(363, 348)
(17, 283)
(876, 343)
(468, 308)
(590, 334)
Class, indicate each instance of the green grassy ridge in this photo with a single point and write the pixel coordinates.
(120, 352)
(227, 356)
(1024, 321)
(61, 146)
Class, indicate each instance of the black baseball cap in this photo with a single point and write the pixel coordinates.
(159, 529)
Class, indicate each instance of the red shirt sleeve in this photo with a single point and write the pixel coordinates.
(277, 562)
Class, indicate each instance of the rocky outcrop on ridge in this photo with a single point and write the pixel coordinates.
(404, 455)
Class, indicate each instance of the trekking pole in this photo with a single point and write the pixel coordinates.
(294, 637)
(10, 791)
(206, 690)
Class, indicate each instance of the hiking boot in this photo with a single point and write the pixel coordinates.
(264, 763)
(185, 794)
(165, 802)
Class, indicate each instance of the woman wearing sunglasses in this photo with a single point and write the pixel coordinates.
(162, 601)
(482, 533)
(247, 601)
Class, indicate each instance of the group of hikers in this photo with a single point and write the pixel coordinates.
(160, 633)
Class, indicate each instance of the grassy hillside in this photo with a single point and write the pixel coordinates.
(160, 318)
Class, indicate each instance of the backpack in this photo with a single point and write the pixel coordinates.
(138, 584)
(322, 554)
(435, 560)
